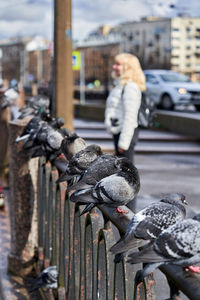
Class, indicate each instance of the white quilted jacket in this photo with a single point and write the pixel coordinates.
(125, 112)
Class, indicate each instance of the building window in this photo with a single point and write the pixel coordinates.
(175, 38)
(187, 56)
(175, 29)
(188, 65)
(188, 29)
(188, 47)
(130, 37)
(198, 30)
(157, 36)
(175, 56)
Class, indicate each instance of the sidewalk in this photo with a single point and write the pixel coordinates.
(159, 174)
(165, 174)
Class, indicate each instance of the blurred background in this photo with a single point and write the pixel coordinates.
(163, 34)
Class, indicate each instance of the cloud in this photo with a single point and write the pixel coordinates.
(26, 18)
(35, 17)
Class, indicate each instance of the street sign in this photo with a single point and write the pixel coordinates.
(76, 60)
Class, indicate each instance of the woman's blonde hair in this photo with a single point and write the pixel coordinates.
(131, 70)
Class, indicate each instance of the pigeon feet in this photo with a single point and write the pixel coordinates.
(121, 210)
(194, 269)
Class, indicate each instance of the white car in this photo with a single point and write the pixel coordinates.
(168, 88)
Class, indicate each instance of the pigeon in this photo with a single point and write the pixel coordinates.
(114, 190)
(148, 223)
(45, 135)
(45, 141)
(33, 125)
(72, 144)
(47, 278)
(177, 245)
(103, 166)
(35, 105)
(9, 97)
(81, 161)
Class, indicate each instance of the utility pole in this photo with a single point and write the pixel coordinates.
(63, 76)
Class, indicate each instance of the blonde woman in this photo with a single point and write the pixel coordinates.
(123, 103)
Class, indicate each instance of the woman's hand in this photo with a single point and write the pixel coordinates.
(120, 150)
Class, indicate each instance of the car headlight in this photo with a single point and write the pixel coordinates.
(182, 91)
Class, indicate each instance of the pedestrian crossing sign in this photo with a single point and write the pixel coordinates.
(76, 60)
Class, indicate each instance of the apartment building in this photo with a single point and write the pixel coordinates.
(170, 43)
(26, 59)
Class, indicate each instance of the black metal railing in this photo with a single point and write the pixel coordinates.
(79, 246)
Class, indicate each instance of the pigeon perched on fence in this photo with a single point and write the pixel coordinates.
(48, 278)
(148, 223)
(33, 125)
(81, 161)
(9, 97)
(114, 190)
(103, 166)
(45, 141)
(35, 105)
(177, 245)
(72, 144)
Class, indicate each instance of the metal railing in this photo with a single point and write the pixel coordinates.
(79, 246)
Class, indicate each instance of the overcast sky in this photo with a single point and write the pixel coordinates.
(35, 17)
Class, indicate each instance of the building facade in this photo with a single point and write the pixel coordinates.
(26, 59)
(159, 43)
(165, 43)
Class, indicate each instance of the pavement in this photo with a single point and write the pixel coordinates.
(160, 174)
(168, 173)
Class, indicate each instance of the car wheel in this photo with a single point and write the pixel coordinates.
(167, 103)
(197, 107)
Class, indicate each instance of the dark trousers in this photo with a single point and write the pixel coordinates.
(130, 152)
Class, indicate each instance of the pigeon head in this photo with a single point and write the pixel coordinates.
(60, 122)
(125, 165)
(174, 197)
(95, 148)
(72, 137)
(128, 170)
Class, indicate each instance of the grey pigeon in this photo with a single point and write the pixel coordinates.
(9, 97)
(72, 144)
(114, 190)
(45, 141)
(35, 104)
(177, 245)
(48, 278)
(33, 126)
(148, 223)
(81, 161)
(103, 166)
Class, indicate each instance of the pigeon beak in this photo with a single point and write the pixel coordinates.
(185, 202)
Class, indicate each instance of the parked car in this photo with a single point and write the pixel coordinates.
(168, 88)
